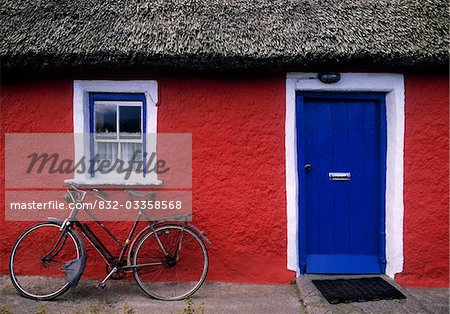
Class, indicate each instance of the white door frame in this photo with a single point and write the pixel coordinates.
(393, 86)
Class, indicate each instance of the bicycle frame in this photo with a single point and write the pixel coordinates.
(98, 244)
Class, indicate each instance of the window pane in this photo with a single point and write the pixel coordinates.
(129, 122)
(105, 121)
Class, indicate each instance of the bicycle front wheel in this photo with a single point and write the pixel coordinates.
(32, 275)
(176, 275)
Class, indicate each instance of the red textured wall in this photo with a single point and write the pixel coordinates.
(426, 183)
(238, 179)
(25, 108)
(239, 173)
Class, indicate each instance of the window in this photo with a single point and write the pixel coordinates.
(117, 128)
(116, 120)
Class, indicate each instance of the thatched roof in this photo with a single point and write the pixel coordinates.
(223, 34)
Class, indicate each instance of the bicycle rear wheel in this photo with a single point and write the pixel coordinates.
(178, 275)
(34, 278)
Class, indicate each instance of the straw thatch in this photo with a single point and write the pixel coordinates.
(223, 34)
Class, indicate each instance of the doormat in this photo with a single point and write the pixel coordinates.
(357, 290)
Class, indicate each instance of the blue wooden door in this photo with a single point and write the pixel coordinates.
(341, 156)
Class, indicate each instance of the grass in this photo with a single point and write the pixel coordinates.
(5, 310)
(42, 308)
(104, 308)
(191, 308)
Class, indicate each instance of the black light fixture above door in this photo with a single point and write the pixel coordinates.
(329, 77)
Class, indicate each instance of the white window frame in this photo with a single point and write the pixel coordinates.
(81, 127)
(393, 85)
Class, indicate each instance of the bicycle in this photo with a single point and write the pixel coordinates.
(168, 258)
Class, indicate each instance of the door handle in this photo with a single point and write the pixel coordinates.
(308, 167)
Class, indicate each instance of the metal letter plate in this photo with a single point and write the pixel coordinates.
(340, 176)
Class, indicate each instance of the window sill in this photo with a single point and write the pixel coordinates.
(112, 182)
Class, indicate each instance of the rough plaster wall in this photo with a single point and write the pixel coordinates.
(26, 108)
(426, 185)
(238, 170)
(238, 165)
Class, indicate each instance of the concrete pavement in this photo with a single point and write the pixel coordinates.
(127, 298)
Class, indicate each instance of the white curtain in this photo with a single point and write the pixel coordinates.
(128, 150)
(107, 151)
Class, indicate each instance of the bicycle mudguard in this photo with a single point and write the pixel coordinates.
(189, 225)
(75, 233)
(74, 269)
(54, 219)
(199, 232)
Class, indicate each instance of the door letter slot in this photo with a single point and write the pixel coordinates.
(340, 176)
